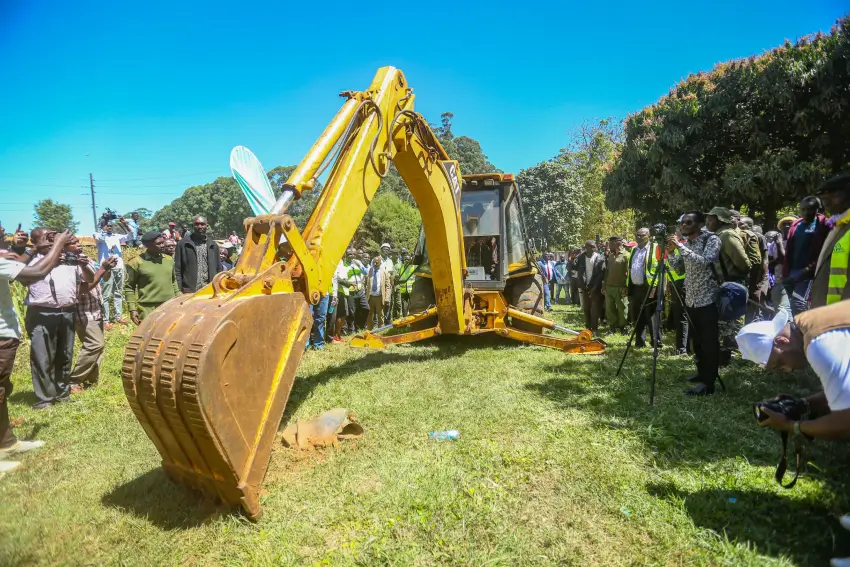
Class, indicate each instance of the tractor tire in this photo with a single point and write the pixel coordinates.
(421, 298)
(526, 295)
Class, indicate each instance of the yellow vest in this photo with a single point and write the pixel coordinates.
(838, 265)
(674, 275)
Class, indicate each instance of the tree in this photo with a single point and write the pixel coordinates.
(757, 133)
(55, 216)
(388, 219)
(467, 151)
(552, 204)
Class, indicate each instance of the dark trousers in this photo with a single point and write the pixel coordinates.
(51, 333)
(8, 348)
(575, 296)
(677, 315)
(642, 318)
(592, 304)
(361, 309)
(706, 342)
(405, 304)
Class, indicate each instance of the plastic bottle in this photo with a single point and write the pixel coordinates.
(451, 434)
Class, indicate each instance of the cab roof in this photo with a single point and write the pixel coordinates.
(498, 177)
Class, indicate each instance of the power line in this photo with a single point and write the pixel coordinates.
(164, 176)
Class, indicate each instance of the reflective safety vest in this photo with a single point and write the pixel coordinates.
(674, 275)
(653, 255)
(406, 279)
(356, 276)
(838, 265)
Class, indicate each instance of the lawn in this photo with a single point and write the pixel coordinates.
(558, 463)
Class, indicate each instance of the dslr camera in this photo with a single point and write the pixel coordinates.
(793, 408)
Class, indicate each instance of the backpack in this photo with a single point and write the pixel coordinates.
(751, 246)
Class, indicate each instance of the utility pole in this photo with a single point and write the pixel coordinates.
(93, 208)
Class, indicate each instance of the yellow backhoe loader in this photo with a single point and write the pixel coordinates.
(208, 375)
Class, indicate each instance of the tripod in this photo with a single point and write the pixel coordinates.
(658, 284)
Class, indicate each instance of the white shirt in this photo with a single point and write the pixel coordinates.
(588, 266)
(9, 326)
(110, 244)
(638, 269)
(387, 265)
(830, 359)
(57, 289)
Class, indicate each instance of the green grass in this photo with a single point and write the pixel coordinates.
(559, 463)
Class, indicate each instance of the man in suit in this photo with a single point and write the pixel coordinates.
(379, 289)
(591, 274)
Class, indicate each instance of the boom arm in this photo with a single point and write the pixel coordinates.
(208, 376)
(382, 127)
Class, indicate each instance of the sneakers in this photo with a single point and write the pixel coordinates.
(107, 326)
(20, 447)
(122, 321)
(337, 341)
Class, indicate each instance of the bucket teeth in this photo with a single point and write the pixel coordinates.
(208, 380)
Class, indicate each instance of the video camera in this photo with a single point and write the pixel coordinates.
(659, 232)
(108, 216)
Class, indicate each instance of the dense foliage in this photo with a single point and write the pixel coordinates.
(563, 199)
(756, 133)
(57, 216)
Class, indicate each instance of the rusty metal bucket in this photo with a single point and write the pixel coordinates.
(208, 379)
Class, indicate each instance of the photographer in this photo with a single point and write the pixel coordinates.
(10, 336)
(50, 319)
(696, 257)
(89, 325)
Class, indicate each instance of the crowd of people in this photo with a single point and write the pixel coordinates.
(70, 295)
(797, 267)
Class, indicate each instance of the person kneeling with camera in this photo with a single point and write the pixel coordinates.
(820, 338)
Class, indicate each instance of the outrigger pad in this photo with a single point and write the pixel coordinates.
(208, 379)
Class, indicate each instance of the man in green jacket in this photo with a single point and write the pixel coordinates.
(616, 285)
(150, 279)
(732, 265)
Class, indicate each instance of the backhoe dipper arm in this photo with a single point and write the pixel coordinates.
(373, 128)
(208, 375)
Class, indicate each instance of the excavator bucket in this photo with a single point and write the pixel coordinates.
(208, 378)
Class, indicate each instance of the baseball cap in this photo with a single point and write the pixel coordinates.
(384, 245)
(756, 339)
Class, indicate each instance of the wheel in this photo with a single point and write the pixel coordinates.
(421, 298)
(526, 294)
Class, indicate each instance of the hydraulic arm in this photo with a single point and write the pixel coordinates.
(208, 375)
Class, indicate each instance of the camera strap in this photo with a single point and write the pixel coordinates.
(783, 461)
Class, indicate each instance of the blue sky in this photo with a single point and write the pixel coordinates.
(151, 96)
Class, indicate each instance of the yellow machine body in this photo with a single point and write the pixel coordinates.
(208, 375)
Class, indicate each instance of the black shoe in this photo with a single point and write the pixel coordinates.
(700, 390)
(681, 351)
(41, 406)
(640, 345)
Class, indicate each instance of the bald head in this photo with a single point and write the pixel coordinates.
(746, 222)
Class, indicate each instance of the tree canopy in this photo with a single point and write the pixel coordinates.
(756, 133)
(56, 216)
(563, 199)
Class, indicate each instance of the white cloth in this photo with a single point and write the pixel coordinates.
(110, 244)
(57, 289)
(638, 268)
(387, 265)
(830, 359)
(588, 266)
(9, 327)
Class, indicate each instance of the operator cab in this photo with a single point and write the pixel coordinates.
(494, 241)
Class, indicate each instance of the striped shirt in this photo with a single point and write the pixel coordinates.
(90, 304)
